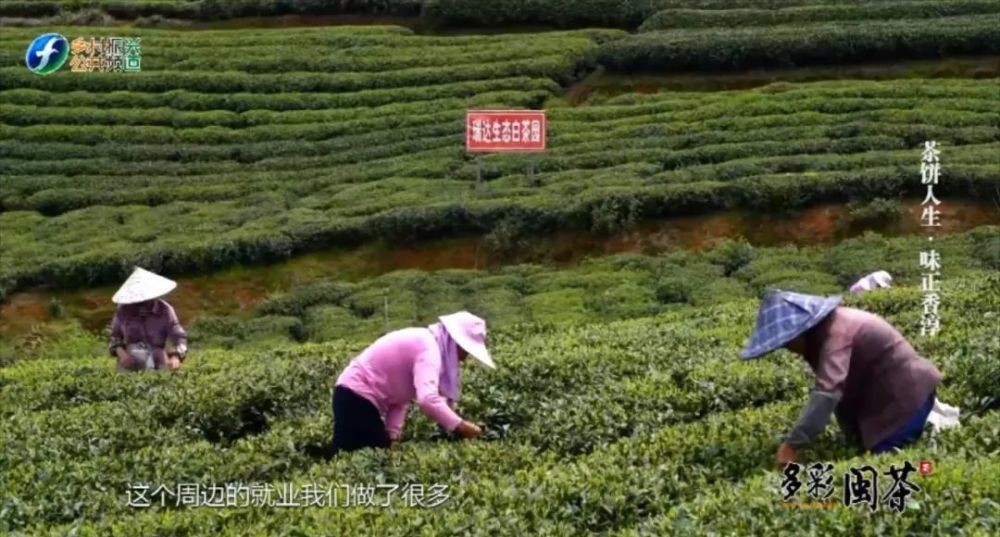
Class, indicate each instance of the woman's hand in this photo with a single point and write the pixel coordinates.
(468, 430)
(173, 362)
(786, 454)
(126, 362)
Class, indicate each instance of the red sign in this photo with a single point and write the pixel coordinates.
(926, 466)
(505, 130)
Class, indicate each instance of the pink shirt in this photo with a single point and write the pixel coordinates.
(398, 368)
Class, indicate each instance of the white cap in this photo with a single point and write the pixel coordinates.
(141, 286)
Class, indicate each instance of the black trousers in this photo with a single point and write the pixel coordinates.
(357, 423)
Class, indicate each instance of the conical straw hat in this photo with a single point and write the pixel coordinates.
(469, 332)
(782, 316)
(143, 285)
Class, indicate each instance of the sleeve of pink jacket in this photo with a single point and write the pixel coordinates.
(426, 375)
(394, 420)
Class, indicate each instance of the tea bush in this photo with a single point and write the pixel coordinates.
(876, 210)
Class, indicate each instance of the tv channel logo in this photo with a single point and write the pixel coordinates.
(47, 53)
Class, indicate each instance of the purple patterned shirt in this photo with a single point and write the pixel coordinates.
(150, 322)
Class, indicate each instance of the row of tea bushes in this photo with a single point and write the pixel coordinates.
(277, 181)
(793, 45)
(685, 18)
(655, 413)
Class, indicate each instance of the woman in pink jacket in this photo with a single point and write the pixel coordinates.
(422, 364)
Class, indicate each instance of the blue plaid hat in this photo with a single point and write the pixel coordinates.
(782, 316)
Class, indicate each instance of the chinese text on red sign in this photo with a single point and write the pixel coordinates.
(505, 130)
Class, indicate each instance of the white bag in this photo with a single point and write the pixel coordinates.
(142, 354)
(943, 416)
